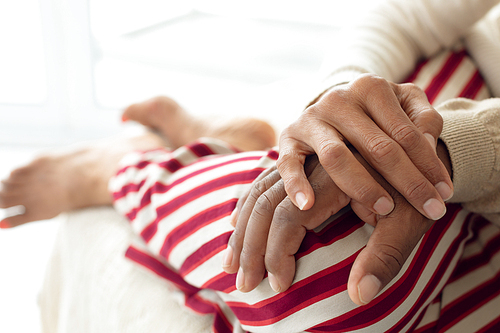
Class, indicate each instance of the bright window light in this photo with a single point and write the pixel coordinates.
(22, 60)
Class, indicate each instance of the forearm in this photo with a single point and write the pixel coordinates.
(393, 37)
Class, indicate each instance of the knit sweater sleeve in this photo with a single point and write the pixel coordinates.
(483, 44)
(472, 135)
(389, 40)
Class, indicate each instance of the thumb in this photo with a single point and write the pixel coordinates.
(290, 165)
(390, 244)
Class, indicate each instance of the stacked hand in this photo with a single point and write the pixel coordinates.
(390, 125)
(367, 144)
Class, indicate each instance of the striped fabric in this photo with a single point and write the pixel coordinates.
(179, 204)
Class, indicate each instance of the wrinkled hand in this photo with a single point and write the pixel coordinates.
(391, 125)
(269, 230)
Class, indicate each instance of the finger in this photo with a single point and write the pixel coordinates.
(429, 122)
(390, 244)
(230, 261)
(392, 241)
(390, 107)
(346, 171)
(290, 164)
(252, 266)
(364, 213)
(290, 225)
(285, 236)
(243, 198)
(389, 159)
(415, 104)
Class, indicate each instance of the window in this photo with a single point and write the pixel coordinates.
(71, 65)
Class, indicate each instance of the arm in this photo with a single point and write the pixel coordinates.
(471, 133)
(392, 38)
(269, 231)
(483, 44)
(388, 42)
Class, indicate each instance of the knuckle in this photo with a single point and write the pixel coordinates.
(252, 255)
(248, 257)
(391, 258)
(259, 215)
(431, 171)
(408, 91)
(264, 204)
(412, 88)
(257, 189)
(363, 193)
(336, 96)
(283, 213)
(283, 159)
(290, 137)
(369, 79)
(416, 190)
(291, 183)
(432, 117)
(381, 149)
(407, 136)
(370, 83)
(261, 186)
(236, 240)
(310, 111)
(288, 161)
(331, 151)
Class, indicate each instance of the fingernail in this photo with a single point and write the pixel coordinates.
(273, 282)
(368, 288)
(4, 224)
(240, 279)
(444, 190)
(431, 140)
(383, 206)
(124, 118)
(434, 209)
(234, 217)
(227, 257)
(301, 200)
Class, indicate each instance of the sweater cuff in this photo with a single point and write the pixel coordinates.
(471, 152)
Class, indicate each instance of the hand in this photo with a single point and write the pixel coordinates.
(391, 243)
(269, 238)
(270, 229)
(391, 125)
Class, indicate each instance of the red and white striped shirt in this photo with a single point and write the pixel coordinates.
(179, 204)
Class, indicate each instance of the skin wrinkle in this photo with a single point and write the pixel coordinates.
(407, 135)
(431, 170)
(389, 269)
(381, 150)
(413, 189)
